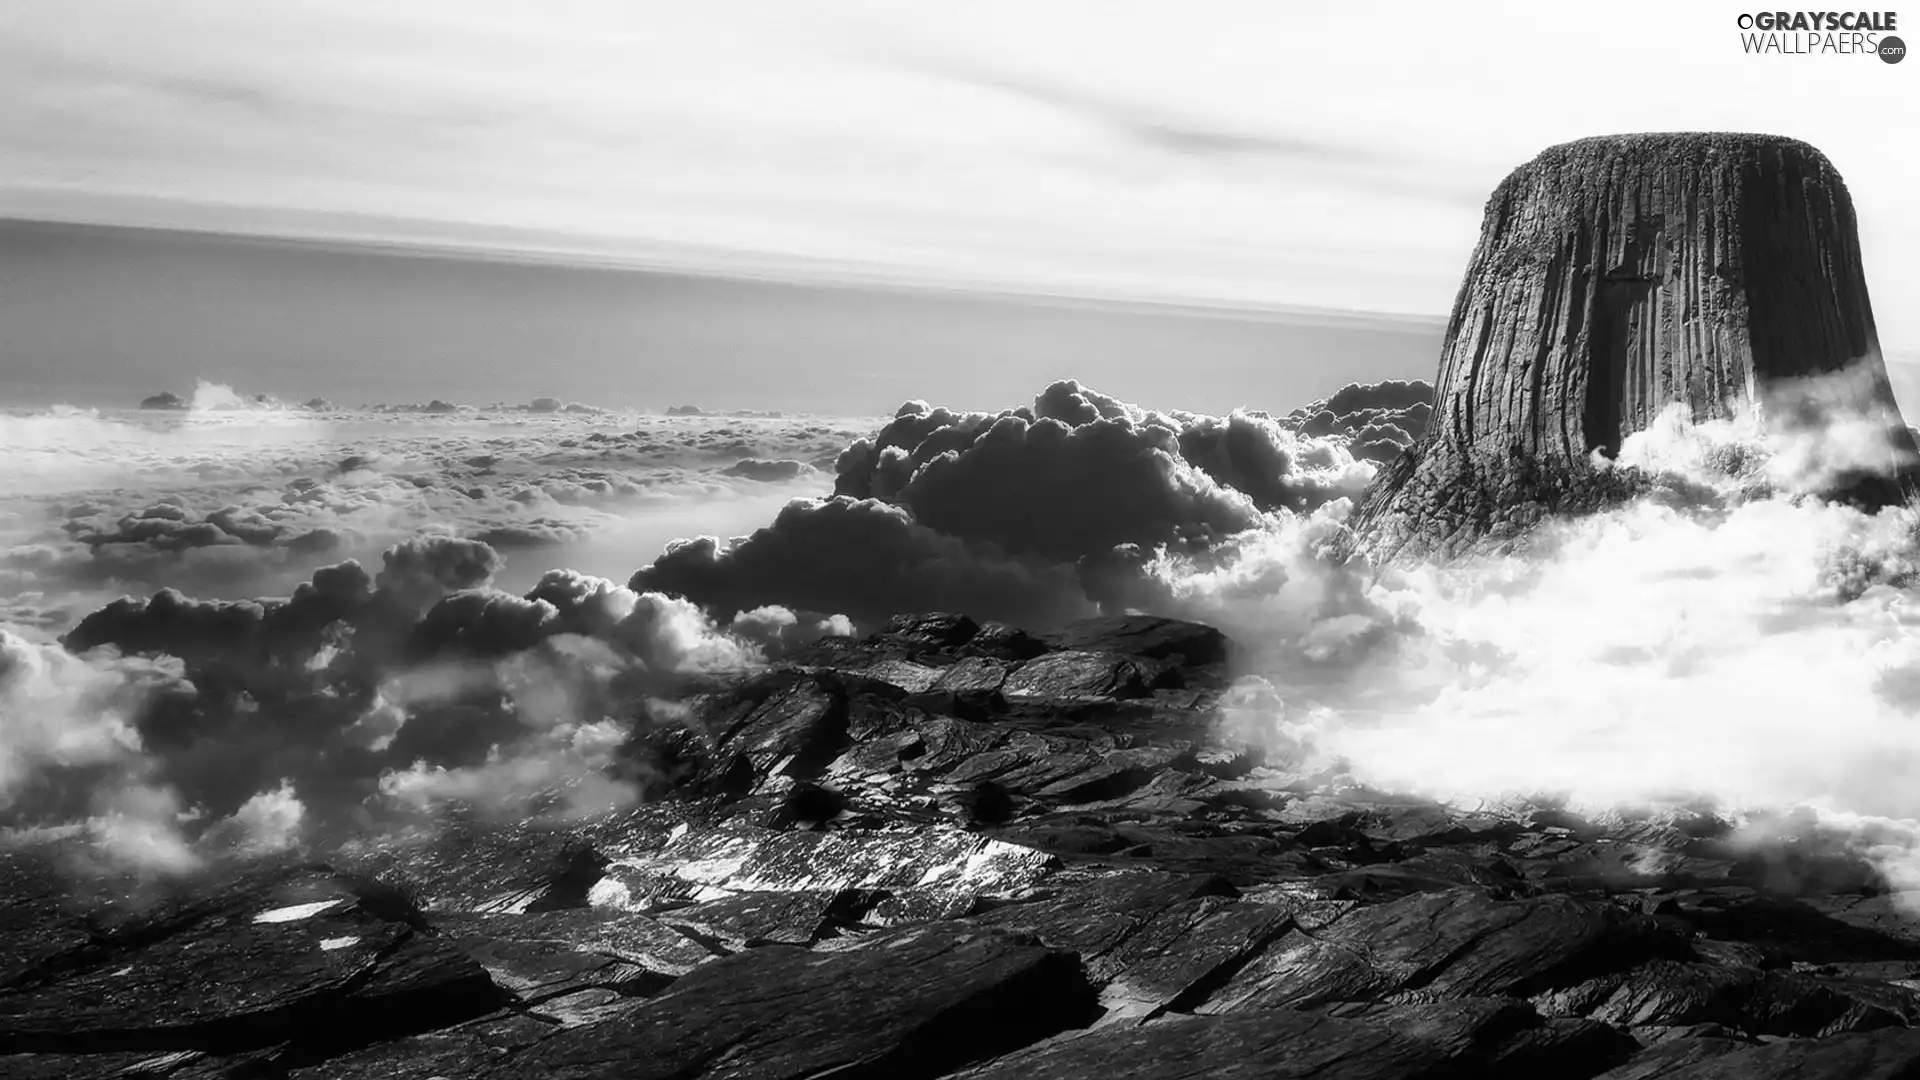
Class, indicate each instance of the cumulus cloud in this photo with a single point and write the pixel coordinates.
(167, 728)
(865, 558)
(1092, 471)
(1034, 515)
(1379, 420)
(72, 755)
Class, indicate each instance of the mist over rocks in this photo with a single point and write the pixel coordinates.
(1713, 277)
(956, 848)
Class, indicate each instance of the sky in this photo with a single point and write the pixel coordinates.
(1250, 155)
(102, 317)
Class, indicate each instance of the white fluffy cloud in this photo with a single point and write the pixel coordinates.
(1716, 641)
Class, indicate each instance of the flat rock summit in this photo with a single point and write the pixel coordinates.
(1616, 277)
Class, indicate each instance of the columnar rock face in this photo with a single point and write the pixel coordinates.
(1614, 277)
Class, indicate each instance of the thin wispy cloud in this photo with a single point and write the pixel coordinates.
(1216, 151)
(1158, 128)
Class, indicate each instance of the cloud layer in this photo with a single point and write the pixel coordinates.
(1727, 638)
(1024, 514)
(235, 498)
(167, 727)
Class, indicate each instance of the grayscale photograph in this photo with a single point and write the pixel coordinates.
(1013, 540)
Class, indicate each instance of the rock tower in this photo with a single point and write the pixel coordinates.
(1615, 276)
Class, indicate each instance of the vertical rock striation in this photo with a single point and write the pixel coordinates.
(1615, 276)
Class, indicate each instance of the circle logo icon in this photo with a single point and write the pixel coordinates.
(1892, 50)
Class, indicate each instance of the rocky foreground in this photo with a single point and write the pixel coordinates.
(961, 850)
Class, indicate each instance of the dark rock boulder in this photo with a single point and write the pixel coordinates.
(166, 400)
(1077, 675)
(1147, 636)
(455, 1053)
(1615, 276)
(296, 955)
(915, 1003)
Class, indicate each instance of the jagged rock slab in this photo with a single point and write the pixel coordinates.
(484, 865)
(1615, 276)
(455, 1053)
(1740, 998)
(1188, 644)
(547, 955)
(1078, 675)
(1153, 941)
(281, 956)
(136, 1065)
(1091, 913)
(1177, 957)
(908, 1004)
(1892, 1054)
(780, 918)
(1459, 1038)
(1457, 943)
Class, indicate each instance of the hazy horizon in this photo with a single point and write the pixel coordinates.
(103, 316)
